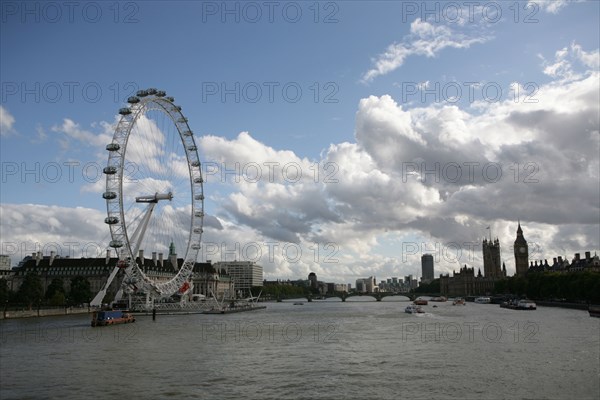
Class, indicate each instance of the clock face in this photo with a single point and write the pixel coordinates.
(522, 250)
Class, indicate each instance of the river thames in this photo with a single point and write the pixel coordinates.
(324, 349)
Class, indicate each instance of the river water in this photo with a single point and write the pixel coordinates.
(324, 349)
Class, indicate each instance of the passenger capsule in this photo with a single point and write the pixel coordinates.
(151, 91)
(111, 220)
(170, 98)
(161, 93)
(109, 195)
(113, 146)
(116, 244)
(199, 197)
(192, 148)
(110, 170)
(195, 163)
(142, 93)
(198, 180)
(199, 214)
(124, 111)
(133, 100)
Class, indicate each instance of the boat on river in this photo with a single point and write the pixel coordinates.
(112, 317)
(483, 300)
(413, 309)
(420, 302)
(594, 310)
(458, 302)
(523, 304)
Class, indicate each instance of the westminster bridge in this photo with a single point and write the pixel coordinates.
(378, 296)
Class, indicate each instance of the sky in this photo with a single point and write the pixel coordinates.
(345, 138)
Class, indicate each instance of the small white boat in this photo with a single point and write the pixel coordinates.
(526, 305)
(483, 300)
(413, 309)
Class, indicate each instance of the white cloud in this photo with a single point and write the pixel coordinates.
(73, 131)
(562, 67)
(246, 154)
(41, 135)
(550, 6)
(425, 39)
(589, 59)
(28, 228)
(7, 122)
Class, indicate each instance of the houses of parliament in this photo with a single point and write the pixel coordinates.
(466, 283)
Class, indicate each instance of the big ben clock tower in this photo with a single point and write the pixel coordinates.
(521, 253)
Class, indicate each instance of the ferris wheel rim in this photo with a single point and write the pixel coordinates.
(114, 195)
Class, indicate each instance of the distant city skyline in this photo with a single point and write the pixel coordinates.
(426, 269)
(328, 143)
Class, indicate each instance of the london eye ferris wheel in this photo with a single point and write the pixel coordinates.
(154, 194)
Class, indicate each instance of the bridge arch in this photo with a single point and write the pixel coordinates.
(376, 295)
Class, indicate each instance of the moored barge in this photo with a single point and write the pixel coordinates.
(114, 317)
